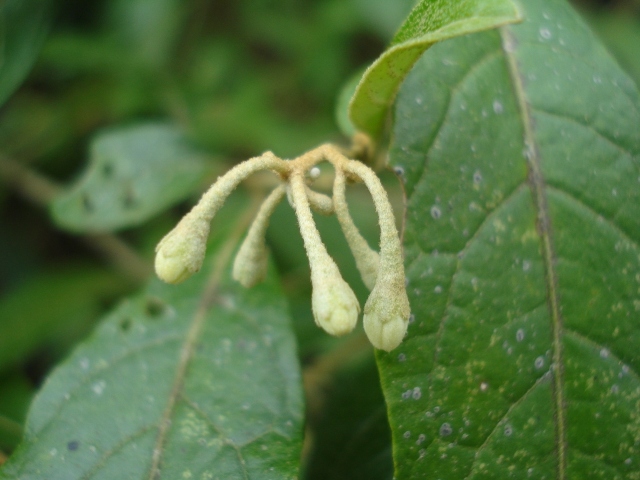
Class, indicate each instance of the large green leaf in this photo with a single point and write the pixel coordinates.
(521, 155)
(133, 174)
(429, 22)
(23, 28)
(198, 381)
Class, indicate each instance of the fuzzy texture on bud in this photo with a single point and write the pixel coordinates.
(335, 306)
(386, 316)
(181, 252)
(251, 264)
(252, 261)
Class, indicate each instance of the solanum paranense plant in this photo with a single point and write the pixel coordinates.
(335, 307)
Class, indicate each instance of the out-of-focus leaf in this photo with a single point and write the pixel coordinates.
(17, 393)
(342, 105)
(384, 16)
(521, 155)
(198, 380)
(52, 304)
(148, 27)
(24, 25)
(431, 21)
(351, 438)
(133, 174)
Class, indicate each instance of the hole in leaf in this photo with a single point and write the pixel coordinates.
(129, 201)
(154, 307)
(107, 170)
(126, 324)
(87, 204)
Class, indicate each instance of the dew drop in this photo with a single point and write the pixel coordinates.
(98, 387)
(539, 363)
(421, 438)
(604, 353)
(406, 395)
(417, 393)
(438, 289)
(436, 213)
(526, 265)
(402, 357)
(520, 335)
(398, 170)
(545, 33)
(508, 430)
(477, 177)
(498, 107)
(314, 172)
(445, 430)
(484, 386)
(406, 434)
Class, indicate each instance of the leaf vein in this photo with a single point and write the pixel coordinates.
(599, 215)
(537, 185)
(515, 404)
(591, 128)
(158, 342)
(452, 91)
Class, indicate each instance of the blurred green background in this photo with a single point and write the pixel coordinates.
(238, 77)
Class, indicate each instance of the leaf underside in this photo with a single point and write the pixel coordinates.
(133, 174)
(430, 21)
(195, 381)
(521, 162)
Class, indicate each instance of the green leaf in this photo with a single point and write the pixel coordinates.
(199, 380)
(521, 156)
(24, 26)
(133, 174)
(431, 21)
(54, 304)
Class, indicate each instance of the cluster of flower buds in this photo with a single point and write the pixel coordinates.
(335, 307)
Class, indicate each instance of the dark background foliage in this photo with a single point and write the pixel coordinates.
(239, 77)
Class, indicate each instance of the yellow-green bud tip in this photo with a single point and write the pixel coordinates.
(181, 252)
(251, 264)
(335, 306)
(386, 318)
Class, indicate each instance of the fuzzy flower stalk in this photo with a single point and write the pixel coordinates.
(335, 307)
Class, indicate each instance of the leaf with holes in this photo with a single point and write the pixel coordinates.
(199, 380)
(133, 174)
(431, 21)
(24, 26)
(521, 157)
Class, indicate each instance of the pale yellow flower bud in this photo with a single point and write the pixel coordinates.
(386, 315)
(181, 252)
(335, 306)
(252, 261)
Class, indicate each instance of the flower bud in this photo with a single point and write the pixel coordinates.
(335, 306)
(181, 252)
(251, 263)
(386, 316)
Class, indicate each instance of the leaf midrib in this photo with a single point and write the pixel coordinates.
(189, 346)
(543, 225)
